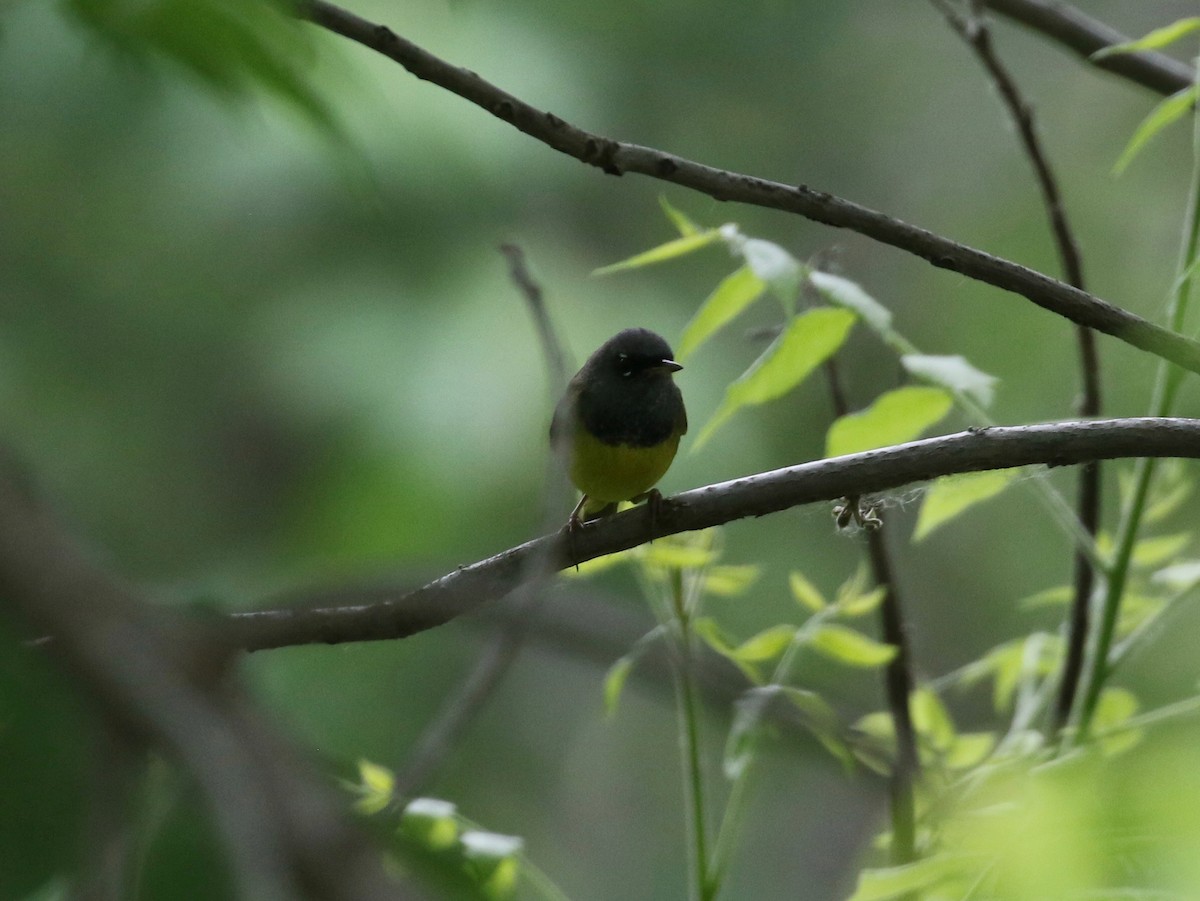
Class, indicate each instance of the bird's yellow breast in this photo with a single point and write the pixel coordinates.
(618, 472)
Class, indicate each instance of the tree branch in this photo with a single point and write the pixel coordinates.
(1084, 35)
(468, 587)
(617, 157)
(164, 680)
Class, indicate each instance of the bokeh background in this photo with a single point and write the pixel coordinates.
(247, 355)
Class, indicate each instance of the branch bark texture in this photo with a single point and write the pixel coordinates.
(617, 158)
(468, 587)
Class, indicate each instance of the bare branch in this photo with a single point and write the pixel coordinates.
(617, 157)
(165, 681)
(1084, 35)
(468, 587)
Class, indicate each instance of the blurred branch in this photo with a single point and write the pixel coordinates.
(616, 158)
(163, 681)
(468, 587)
(975, 32)
(1084, 35)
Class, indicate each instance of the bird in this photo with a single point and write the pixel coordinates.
(617, 428)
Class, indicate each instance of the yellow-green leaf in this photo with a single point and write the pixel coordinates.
(663, 252)
(969, 750)
(766, 645)
(894, 418)
(1114, 709)
(842, 292)
(599, 564)
(736, 291)
(614, 683)
(685, 226)
(1154, 40)
(675, 555)
(730, 580)
(431, 821)
(903, 881)
(951, 495)
(1168, 111)
(850, 647)
(805, 593)
(862, 604)
(931, 719)
(1153, 551)
(807, 342)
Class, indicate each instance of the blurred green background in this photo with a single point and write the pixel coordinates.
(246, 355)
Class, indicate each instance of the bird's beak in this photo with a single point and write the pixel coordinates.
(670, 365)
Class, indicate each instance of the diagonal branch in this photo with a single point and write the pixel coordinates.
(617, 157)
(163, 680)
(1085, 35)
(468, 587)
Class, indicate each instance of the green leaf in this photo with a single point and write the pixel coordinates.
(775, 267)
(1168, 111)
(969, 750)
(1114, 709)
(614, 683)
(896, 882)
(1059, 595)
(864, 603)
(931, 719)
(805, 593)
(713, 636)
(735, 292)
(730, 580)
(430, 821)
(600, 564)
(685, 226)
(842, 292)
(1155, 40)
(954, 374)
(807, 342)
(234, 47)
(663, 252)
(952, 495)
(821, 720)
(376, 787)
(850, 647)
(1152, 551)
(766, 645)
(679, 554)
(894, 418)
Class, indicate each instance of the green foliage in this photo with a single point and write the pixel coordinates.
(1166, 113)
(951, 496)
(443, 841)
(234, 47)
(892, 418)
(805, 343)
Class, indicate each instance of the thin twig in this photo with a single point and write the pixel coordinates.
(617, 157)
(469, 587)
(897, 675)
(976, 33)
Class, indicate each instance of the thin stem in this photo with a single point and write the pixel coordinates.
(1166, 386)
(701, 888)
(976, 33)
(898, 685)
(898, 680)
